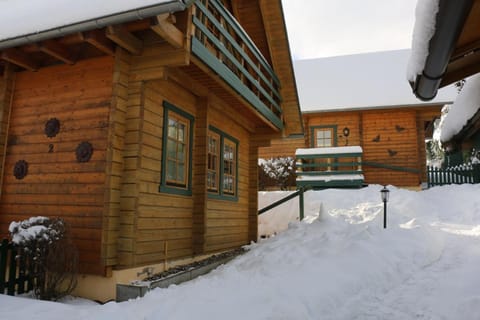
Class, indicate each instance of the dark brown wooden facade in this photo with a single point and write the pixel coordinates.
(113, 89)
(392, 139)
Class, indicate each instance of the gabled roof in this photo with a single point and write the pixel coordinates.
(373, 80)
(25, 21)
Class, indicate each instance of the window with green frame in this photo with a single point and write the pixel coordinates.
(177, 151)
(323, 136)
(222, 166)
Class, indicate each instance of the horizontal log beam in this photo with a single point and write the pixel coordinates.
(99, 40)
(56, 50)
(125, 39)
(19, 58)
(164, 27)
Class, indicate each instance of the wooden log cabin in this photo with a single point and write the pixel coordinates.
(139, 124)
(392, 141)
(363, 101)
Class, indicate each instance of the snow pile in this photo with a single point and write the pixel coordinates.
(340, 264)
(279, 218)
(423, 30)
(463, 109)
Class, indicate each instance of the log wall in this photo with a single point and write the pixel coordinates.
(158, 226)
(227, 223)
(390, 138)
(56, 185)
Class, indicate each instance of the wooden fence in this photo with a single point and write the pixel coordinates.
(453, 175)
(14, 270)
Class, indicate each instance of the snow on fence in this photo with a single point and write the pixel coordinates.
(14, 274)
(453, 175)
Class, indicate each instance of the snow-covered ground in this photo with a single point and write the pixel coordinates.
(339, 263)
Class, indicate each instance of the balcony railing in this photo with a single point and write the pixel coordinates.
(329, 167)
(221, 43)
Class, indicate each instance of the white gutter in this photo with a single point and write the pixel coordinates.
(98, 23)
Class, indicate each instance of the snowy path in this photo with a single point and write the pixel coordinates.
(339, 265)
(436, 291)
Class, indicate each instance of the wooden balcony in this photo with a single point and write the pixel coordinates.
(338, 167)
(222, 44)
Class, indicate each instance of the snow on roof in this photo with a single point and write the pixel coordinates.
(373, 80)
(24, 17)
(323, 151)
(423, 30)
(463, 109)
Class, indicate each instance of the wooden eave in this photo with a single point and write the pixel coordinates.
(465, 60)
(467, 132)
(68, 49)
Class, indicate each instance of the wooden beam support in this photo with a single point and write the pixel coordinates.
(56, 50)
(164, 27)
(98, 39)
(19, 58)
(125, 39)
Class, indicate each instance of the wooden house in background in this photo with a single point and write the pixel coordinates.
(392, 140)
(453, 55)
(139, 124)
(362, 101)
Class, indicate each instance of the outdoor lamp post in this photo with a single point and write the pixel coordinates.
(384, 193)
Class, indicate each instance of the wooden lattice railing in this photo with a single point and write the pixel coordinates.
(221, 43)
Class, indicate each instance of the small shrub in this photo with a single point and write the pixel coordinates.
(54, 259)
(279, 172)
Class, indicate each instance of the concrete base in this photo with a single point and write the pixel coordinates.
(140, 288)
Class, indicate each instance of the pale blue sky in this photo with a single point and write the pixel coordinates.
(325, 28)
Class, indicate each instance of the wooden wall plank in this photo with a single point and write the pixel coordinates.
(56, 184)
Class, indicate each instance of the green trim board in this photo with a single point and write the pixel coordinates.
(164, 187)
(390, 167)
(220, 195)
(206, 56)
(330, 126)
(315, 184)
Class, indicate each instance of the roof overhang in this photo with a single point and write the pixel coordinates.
(456, 23)
(97, 23)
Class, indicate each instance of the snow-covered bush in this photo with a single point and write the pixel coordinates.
(280, 170)
(53, 259)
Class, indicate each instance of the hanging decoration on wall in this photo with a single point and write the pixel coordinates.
(392, 152)
(52, 127)
(84, 151)
(346, 132)
(398, 128)
(376, 139)
(20, 170)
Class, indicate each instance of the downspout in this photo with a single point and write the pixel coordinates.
(97, 23)
(450, 19)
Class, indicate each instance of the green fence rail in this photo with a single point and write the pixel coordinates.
(453, 175)
(299, 193)
(15, 275)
